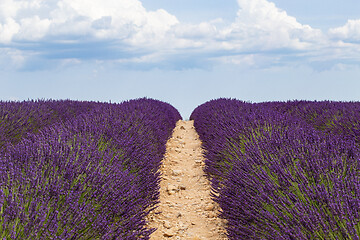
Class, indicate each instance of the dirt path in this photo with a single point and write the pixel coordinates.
(186, 210)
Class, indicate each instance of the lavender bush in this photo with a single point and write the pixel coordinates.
(339, 118)
(276, 176)
(19, 118)
(90, 177)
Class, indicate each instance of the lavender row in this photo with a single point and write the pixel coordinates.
(19, 118)
(275, 176)
(340, 118)
(93, 177)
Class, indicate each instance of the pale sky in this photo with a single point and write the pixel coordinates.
(182, 52)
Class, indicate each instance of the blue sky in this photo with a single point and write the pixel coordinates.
(182, 52)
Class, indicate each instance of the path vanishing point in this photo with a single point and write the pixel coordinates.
(186, 210)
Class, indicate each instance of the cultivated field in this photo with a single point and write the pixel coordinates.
(284, 170)
(81, 170)
(135, 170)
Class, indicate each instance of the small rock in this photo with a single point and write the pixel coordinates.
(176, 172)
(170, 204)
(182, 128)
(192, 223)
(167, 224)
(198, 161)
(182, 226)
(168, 233)
(171, 187)
(174, 178)
(179, 214)
(209, 207)
(182, 187)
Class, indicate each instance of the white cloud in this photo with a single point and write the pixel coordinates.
(9, 9)
(242, 60)
(154, 30)
(33, 28)
(11, 58)
(117, 19)
(13, 24)
(8, 29)
(260, 23)
(350, 31)
(102, 23)
(157, 36)
(126, 20)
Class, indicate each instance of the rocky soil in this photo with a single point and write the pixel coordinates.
(186, 210)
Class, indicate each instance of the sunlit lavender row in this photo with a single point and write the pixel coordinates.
(337, 118)
(81, 170)
(283, 170)
(19, 118)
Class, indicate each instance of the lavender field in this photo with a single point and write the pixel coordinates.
(283, 170)
(81, 170)
(90, 170)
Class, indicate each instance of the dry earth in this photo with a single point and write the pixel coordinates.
(186, 210)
